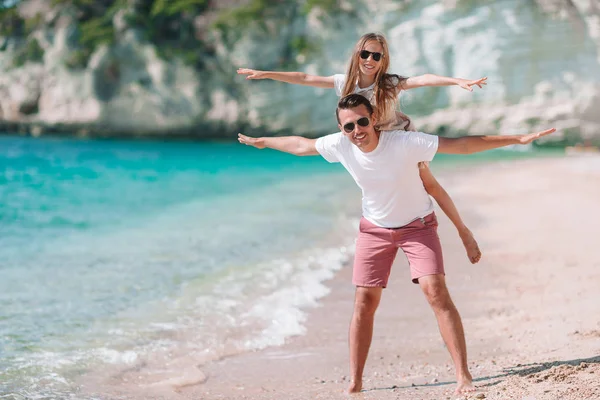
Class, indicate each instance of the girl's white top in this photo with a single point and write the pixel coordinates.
(399, 121)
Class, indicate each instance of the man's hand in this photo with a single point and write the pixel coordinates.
(251, 73)
(250, 141)
(466, 84)
(530, 137)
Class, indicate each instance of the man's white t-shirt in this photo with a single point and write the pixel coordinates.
(392, 190)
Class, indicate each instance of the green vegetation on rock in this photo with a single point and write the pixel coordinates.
(11, 23)
(171, 25)
(30, 52)
(14, 26)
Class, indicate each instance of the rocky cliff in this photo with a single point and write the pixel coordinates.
(115, 76)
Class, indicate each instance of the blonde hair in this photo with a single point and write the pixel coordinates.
(385, 91)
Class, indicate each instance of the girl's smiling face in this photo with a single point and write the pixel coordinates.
(369, 66)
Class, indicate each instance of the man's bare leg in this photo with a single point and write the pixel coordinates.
(366, 301)
(451, 328)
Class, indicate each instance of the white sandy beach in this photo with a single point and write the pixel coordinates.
(531, 307)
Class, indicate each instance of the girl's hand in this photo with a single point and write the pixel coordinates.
(466, 84)
(251, 73)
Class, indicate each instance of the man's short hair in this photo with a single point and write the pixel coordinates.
(352, 101)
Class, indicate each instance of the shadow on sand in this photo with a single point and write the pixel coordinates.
(492, 380)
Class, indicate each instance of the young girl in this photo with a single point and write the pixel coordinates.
(367, 75)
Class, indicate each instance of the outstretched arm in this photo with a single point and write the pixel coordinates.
(435, 190)
(436, 80)
(298, 78)
(297, 145)
(476, 144)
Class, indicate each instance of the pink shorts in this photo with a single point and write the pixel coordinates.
(376, 250)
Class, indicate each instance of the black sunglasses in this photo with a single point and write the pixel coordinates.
(349, 127)
(364, 54)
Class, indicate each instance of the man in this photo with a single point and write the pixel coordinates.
(397, 213)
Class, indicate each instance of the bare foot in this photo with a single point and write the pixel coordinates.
(465, 386)
(471, 246)
(354, 387)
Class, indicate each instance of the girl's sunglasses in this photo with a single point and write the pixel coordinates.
(349, 127)
(364, 54)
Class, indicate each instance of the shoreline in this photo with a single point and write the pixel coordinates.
(529, 327)
(197, 133)
(217, 133)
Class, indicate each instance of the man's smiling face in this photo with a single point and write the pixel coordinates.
(357, 124)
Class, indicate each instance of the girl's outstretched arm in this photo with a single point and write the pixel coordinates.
(435, 190)
(436, 80)
(298, 78)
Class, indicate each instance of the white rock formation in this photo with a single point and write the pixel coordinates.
(542, 64)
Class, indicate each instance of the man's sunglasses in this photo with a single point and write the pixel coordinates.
(349, 127)
(364, 54)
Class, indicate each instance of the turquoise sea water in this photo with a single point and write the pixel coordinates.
(114, 250)
(108, 247)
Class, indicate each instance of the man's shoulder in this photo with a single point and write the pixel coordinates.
(332, 147)
(409, 138)
(336, 135)
(405, 132)
(397, 134)
(333, 139)
(395, 131)
(400, 133)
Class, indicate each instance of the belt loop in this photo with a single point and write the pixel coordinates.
(423, 220)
